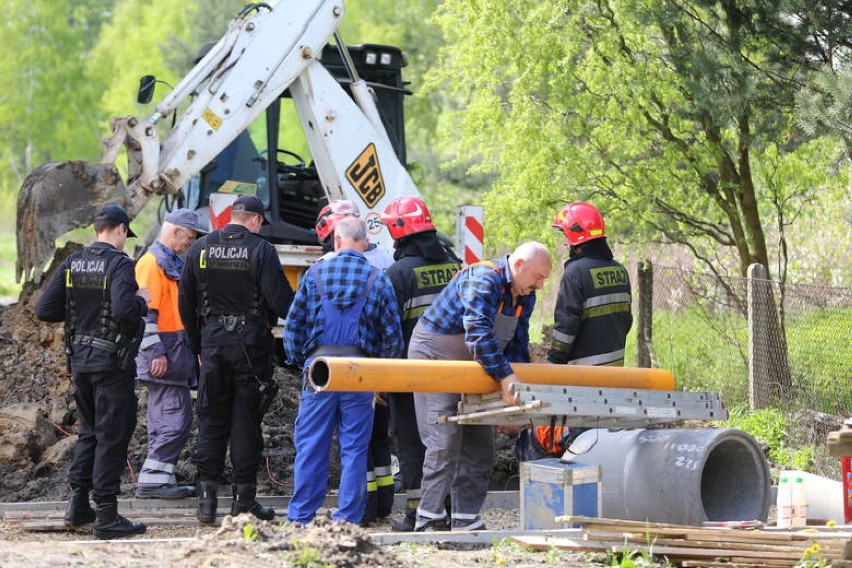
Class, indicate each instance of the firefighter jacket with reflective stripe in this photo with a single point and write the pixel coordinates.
(592, 315)
(423, 268)
(94, 292)
(232, 289)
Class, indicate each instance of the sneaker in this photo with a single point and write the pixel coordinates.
(169, 491)
(434, 525)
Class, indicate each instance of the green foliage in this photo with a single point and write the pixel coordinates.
(49, 100)
(704, 351)
(820, 353)
(661, 113)
(501, 550)
(8, 250)
(812, 558)
(309, 557)
(250, 533)
(553, 555)
(629, 557)
(771, 427)
(152, 27)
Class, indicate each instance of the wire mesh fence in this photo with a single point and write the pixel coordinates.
(755, 342)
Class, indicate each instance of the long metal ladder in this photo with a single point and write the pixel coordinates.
(588, 407)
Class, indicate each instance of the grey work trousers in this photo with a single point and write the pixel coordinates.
(458, 459)
(169, 419)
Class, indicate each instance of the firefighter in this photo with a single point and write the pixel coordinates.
(165, 363)
(344, 307)
(328, 218)
(95, 293)
(592, 315)
(232, 290)
(422, 269)
(591, 318)
(483, 314)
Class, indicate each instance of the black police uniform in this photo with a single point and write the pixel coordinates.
(422, 269)
(592, 315)
(94, 292)
(231, 291)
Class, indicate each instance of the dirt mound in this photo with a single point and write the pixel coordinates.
(322, 542)
(38, 418)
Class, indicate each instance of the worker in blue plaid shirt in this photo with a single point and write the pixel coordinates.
(343, 307)
(483, 314)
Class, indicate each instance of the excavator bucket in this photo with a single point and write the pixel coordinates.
(56, 198)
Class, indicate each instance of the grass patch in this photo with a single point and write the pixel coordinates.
(709, 352)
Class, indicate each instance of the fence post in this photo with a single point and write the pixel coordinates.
(644, 357)
(768, 366)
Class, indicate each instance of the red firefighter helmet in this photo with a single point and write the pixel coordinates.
(407, 215)
(329, 215)
(581, 222)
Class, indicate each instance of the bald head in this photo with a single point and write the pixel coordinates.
(530, 265)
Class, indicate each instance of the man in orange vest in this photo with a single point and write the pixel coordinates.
(166, 365)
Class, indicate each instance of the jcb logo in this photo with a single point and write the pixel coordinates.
(366, 177)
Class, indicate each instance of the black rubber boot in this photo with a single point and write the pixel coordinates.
(109, 524)
(245, 502)
(208, 502)
(79, 511)
(370, 509)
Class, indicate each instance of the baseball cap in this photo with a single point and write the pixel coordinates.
(116, 214)
(252, 204)
(185, 218)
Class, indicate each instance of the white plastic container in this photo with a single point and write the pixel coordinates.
(800, 504)
(784, 504)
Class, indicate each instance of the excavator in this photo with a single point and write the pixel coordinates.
(270, 52)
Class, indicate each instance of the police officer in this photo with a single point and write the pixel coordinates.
(592, 315)
(231, 291)
(422, 269)
(94, 291)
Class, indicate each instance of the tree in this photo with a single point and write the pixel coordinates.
(49, 99)
(668, 114)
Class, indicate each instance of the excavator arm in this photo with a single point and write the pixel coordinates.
(266, 50)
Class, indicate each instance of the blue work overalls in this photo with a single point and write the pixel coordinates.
(320, 412)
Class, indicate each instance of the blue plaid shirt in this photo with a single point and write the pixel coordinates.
(468, 305)
(343, 276)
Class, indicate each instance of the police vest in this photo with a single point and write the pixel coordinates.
(87, 296)
(228, 275)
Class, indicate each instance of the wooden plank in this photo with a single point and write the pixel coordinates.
(594, 523)
(724, 545)
(543, 542)
(685, 552)
(724, 535)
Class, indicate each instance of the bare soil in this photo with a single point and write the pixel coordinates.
(245, 541)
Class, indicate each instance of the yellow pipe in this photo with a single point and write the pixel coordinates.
(468, 377)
